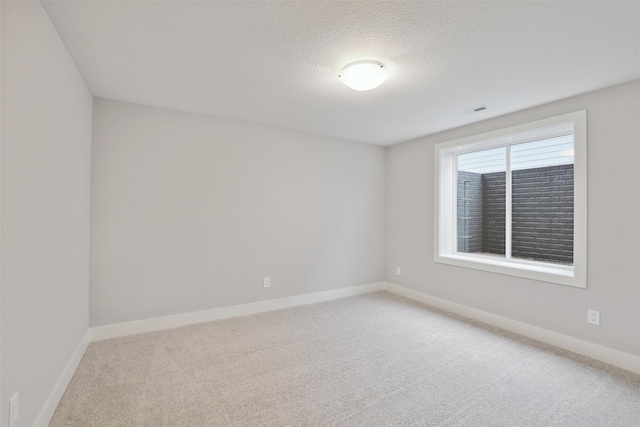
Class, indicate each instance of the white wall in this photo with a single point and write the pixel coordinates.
(191, 212)
(614, 233)
(46, 154)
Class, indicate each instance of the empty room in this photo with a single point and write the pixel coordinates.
(319, 213)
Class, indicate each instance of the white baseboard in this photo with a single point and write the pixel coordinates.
(607, 355)
(167, 322)
(604, 354)
(49, 408)
(595, 351)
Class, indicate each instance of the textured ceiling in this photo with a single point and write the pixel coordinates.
(276, 63)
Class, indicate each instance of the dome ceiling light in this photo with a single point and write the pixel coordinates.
(363, 75)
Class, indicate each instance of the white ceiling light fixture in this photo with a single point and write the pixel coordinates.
(363, 75)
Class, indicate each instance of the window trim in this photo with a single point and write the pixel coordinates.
(445, 232)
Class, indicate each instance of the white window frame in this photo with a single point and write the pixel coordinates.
(445, 201)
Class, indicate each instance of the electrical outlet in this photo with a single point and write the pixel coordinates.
(13, 409)
(267, 282)
(398, 271)
(593, 317)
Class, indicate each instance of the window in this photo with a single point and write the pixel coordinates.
(514, 201)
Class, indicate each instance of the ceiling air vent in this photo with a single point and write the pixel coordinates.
(476, 109)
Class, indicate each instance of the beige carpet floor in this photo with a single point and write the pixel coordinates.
(370, 360)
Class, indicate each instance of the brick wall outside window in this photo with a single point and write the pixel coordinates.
(542, 213)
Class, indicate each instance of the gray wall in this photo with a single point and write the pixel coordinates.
(542, 217)
(470, 212)
(191, 212)
(494, 212)
(46, 155)
(614, 234)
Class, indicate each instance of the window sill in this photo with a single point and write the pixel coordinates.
(560, 274)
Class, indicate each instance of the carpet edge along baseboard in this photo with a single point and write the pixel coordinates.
(604, 354)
